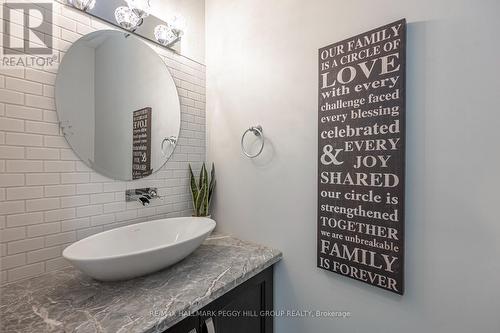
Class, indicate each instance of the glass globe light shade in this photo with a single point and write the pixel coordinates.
(164, 34)
(141, 8)
(82, 4)
(126, 18)
(178, 23)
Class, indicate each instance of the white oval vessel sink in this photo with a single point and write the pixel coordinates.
(138, 249)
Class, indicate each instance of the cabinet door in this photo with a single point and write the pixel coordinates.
(241, 309)
(188, 325)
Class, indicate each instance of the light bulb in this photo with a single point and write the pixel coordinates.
(164, 34)
(141, 8)
(82, 4)
(177, 23)
(126, 18)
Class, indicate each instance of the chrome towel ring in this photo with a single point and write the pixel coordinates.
(258, 132)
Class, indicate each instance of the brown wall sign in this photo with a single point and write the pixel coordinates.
(362, 157)
(141, 146)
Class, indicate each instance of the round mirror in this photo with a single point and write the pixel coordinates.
(118, 105)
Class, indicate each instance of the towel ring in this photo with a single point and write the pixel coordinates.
(172, 140)
(258, 132)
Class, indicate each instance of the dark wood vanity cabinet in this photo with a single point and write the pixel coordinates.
(245, 309)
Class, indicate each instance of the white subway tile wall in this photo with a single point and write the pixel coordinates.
(48, 197)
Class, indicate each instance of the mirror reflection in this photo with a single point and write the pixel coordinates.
(118, 105)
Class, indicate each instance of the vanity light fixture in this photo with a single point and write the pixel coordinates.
(82, 4)
(171, 33)
(132, 16)
(126, 18)
(141, 8)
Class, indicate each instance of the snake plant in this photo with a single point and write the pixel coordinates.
(202, 190)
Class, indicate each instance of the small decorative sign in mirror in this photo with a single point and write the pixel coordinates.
(141, 157)
(117, 104)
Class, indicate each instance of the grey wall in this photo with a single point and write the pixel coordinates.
(262, 68)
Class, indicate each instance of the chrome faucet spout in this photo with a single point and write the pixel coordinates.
(143, 196)
(144, 201)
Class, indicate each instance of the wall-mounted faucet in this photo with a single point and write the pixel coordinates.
(142, 195)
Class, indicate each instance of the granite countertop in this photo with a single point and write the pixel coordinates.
(68, 301)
